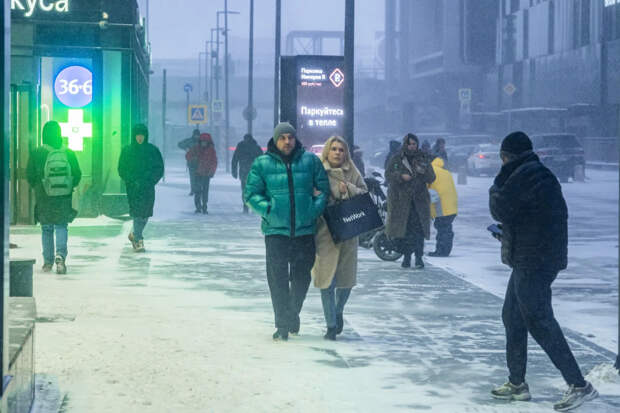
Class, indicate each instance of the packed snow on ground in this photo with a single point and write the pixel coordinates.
(165, 332)
(586, 293)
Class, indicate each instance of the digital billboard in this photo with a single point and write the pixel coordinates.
(320, 98)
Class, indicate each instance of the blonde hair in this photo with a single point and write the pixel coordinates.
(328, 147)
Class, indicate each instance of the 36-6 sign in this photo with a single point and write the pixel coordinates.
(73, 86)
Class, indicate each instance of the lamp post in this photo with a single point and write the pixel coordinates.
(200, 54)
(349, 71)
(276, 82)
(250, 108)
(164, 96)
(211, 43)
(226, 12)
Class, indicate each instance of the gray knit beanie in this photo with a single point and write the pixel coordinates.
(282, 128)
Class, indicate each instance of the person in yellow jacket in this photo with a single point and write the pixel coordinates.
(444, 207)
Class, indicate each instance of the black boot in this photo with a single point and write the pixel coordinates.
(419, 264)
(280, 335)
(293, 327)
(406, 261)
(339, 323)
(331, 334)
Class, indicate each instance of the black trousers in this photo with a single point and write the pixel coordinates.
(445, 235)
(289, 261)
(527, 308)
(201, 191)
(413, 242)
(244, 180)
(192, 177)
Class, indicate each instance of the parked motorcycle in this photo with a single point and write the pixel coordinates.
(376, 239)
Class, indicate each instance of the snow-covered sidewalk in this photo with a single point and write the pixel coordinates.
(186, 327)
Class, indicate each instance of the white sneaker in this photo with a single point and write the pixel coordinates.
(61, 268)
(139, 246)
(575, 397)
(509, 391)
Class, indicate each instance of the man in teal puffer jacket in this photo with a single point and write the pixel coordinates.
(288, 188)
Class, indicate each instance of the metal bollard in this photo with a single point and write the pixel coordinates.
(462, 178)
(20, 271)
(580, 175)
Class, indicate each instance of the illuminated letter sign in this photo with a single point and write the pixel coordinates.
(320, 98)
(73, 86)
(609, 3)
(29, 6)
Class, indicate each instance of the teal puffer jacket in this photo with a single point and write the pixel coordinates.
(282, 193)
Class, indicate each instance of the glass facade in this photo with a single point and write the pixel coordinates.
(92, 79)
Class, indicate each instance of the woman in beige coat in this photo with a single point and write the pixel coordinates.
(335, 267)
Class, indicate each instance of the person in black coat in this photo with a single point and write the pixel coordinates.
(53, 212)
(141, 167)
(247, 150)
(526, 198)
(439, 151)
(394, 148)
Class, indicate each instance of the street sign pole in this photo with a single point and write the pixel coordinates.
(349, 71)
(226, 105)
(163, 118)
(276, 81)
(251, 68)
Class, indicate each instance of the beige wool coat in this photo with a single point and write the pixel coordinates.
(337, 260)
(401, 194)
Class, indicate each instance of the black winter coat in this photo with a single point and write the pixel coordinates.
(51, 209)
(247, 150)
(141, 167)
(527, 199)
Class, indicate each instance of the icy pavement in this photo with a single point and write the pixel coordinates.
(586, 293)
(186, 327)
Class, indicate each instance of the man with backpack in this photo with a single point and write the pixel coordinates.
(53, 172)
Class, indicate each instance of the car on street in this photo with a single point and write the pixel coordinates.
(560, 152)
(458, 155)
(484, 159)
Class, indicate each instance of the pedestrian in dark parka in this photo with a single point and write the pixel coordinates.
(394, 148)
(140, 166)
(526, 198)
(53, 212)
(439, 150)
(246, 151)
(408, 173)
(186, 145)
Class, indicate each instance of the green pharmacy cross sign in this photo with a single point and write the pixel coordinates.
(73, 87)
(75, 129)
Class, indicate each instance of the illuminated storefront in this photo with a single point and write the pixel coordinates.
(84, 64)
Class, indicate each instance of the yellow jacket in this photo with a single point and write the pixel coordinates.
(444, 186)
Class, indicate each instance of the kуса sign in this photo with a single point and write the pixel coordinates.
(30, 6)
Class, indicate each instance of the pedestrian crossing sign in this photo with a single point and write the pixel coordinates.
(197, 114)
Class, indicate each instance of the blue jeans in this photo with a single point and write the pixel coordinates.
(138, 228)
(47, 238)
(333, 300)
